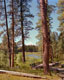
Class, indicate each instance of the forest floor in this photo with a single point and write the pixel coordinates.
(11, 77)
(31, 58)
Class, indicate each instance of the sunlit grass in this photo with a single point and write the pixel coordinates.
(11, 77)
(23, 67)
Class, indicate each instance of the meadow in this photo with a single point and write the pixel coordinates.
(31, 58)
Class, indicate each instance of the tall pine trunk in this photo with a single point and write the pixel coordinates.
(8, 40)
(43, 7)
(22, 31)
(50, 47)
(12, 64)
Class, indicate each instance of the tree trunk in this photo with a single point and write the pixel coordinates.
(12, 65)
(22, 31)
(50, 47)
(8, 40)
(45, 36)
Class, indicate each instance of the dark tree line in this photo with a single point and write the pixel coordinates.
(29, 48)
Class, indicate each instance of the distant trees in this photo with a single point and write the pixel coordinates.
(29, 48)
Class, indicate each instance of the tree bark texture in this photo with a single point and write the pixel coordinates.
(22, 31)
(43, 6)
(12, 65)
(8, 40)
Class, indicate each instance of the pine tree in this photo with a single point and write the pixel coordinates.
(25, 23)
(43, 6)
(4, 26)
(12, 6)
(50, 9)
(8, 40)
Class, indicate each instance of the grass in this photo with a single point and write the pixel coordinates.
(11, 77)
(23, 67)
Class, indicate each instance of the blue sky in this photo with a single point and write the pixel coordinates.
(33, 40)
(34, 10)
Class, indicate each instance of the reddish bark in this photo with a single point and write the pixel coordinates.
(12, 65)
(8, 40)
(43, 7)
(22, 31)
(50, 47)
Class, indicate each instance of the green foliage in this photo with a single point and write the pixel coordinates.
(3, 59)
(20, 66)
(60, 46)
(54, 42)
(57, 45)
(18, 59)
(29, 58)
(61, 14)
(26, 17)
(3, 45)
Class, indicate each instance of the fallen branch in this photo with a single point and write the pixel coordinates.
(61, 76)
(59, 70)
(22, 74)
(41, 65)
